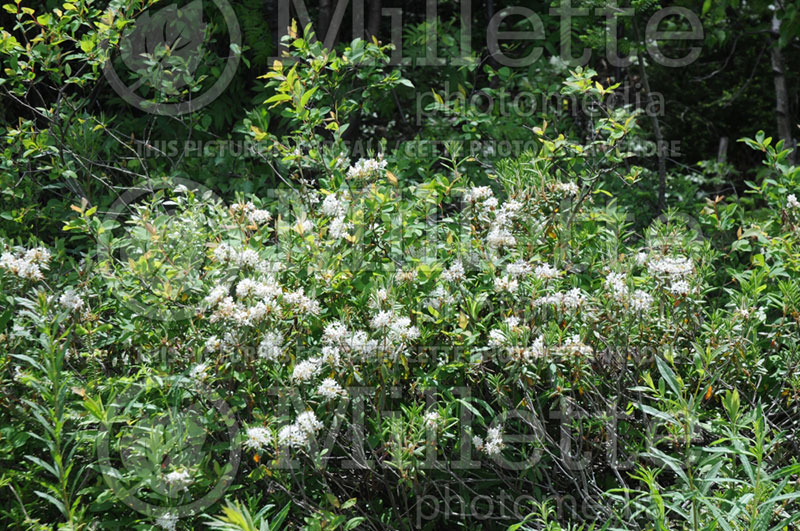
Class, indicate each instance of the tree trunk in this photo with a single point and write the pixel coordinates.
(374, 19)
(324, 19)
(660, 146)
(782, 112)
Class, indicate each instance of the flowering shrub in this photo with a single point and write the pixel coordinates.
(367, 346)
(382, 332)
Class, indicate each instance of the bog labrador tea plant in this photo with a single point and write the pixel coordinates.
(427, 274)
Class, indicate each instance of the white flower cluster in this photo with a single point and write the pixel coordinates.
(270, 346)
(178, 479)
(791, 202)
(571, 300)
(568, 189)
(338, 229)
(299, 433)
(518, 269)
(432, 420)
(366, 167)
(398, 328)
(641, 301)
(302, 303)
(499, 236)
(226, 254)
(671, 266)
(352, 343)
(615, 282)
(478, 193)
(167, 521)
(454, 273)
(264, 293)
(335, 208)
(71, 301)
(545, 272)
(574, 345)
(493, 444)
(254, 215)
(27, 264)
(332, 206)
(506, 283)
(676, 270)
(258, 438)
(330, 389)
(198, 372)
(306, 370)
(529, 354)
(440, 297)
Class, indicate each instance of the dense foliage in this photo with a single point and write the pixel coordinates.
(343, 305)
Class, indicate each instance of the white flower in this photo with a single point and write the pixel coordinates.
(568, 188)
(558, 63)
(71, 301)
(292, 435)
(198, 372)
(178, 479)
(616, 283)
(641, 301)
(246, 287)
(382, 319)
(331, 355)
(330, 389)
(574, 345)
(167, 521)
(248, 257)
(517, 269)
(402, 330)
(432, 419)
(497, 338)
(213, 344)
(224, 252)
(216, 295)
(454, 273)
(365, 167)
(258, 438)
(536, 350)
(545, 271)
(331, 206)
(335, 332)
(302, 302)
(478, 193)
(679, 287)
(339, 227)
(303, 225)
(26, 264)
(507, 283)
(791, 201)
(270, 346)
(259, 217)
(494, 441)
(673, 267)
(573, 299)
(305, 370)
(307, 421)
(500, 237)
